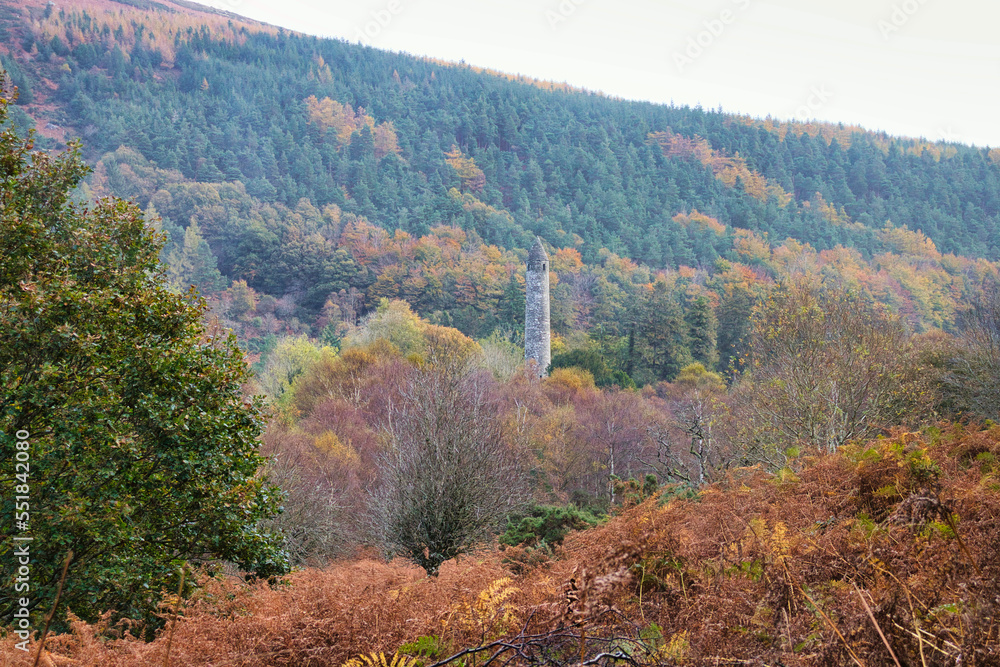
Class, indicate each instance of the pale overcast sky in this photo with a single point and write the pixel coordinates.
(927, 68)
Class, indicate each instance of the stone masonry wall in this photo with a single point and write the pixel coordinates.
(537, 340)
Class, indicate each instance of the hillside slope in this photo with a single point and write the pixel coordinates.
(219, 99)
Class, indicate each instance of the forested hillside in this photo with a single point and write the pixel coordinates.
(329, 175)
(768, 431)
(279, 112)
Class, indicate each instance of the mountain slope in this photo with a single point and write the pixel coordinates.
(328, 176)
(227, 101)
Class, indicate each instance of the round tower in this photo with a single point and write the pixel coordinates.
(537, 343)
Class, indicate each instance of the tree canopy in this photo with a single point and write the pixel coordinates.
(141, 439)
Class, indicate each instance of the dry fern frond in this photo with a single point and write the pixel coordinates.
(491, 598)
(676, 650)
(491, 612)
(378, 660)
(584, 593)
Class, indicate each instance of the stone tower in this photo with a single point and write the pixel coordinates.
(536, 308)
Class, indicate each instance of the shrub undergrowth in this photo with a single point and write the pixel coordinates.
(880, 552)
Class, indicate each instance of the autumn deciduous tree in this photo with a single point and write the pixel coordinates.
(466, 169)
(321, 466)
(611, 426)
(825, 367)
(691, 440)
(973, 379)
(141, 446)
(450, 477)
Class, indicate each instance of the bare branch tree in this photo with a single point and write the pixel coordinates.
(450, 477)
(690, 440)
(315, 521)
(973, 380)
(612, 426)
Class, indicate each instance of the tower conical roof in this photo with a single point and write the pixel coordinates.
(537, 253)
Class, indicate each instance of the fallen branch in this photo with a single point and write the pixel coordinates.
(875, 623)
(823, 614)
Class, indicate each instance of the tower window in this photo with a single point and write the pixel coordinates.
(544, 267)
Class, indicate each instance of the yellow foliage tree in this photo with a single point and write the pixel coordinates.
(472, 176)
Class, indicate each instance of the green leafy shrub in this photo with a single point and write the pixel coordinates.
(593, 361)
(546, 525)
(632, 491)
(426, 646)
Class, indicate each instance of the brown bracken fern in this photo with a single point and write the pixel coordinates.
(379, 660)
